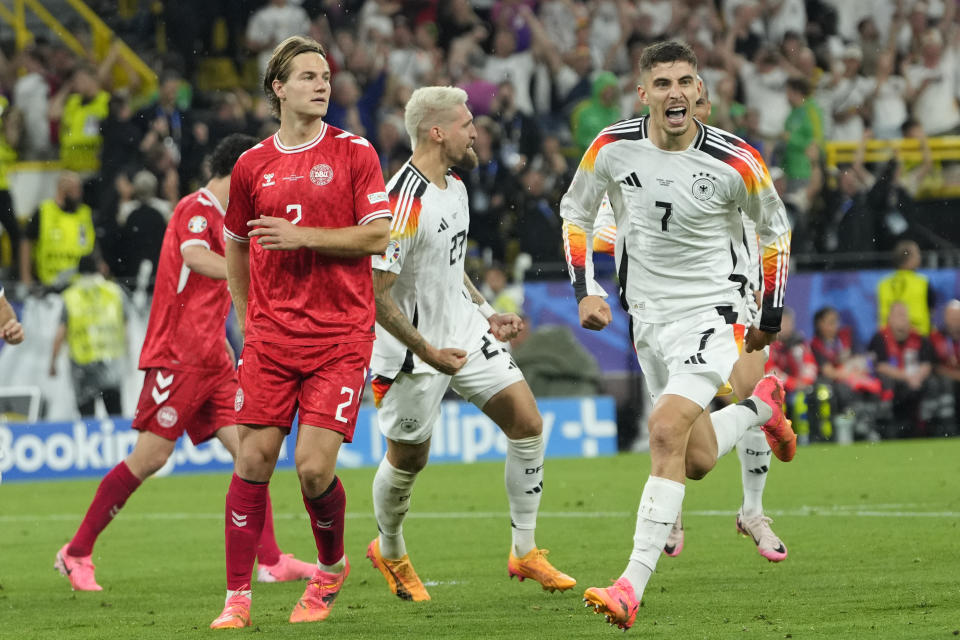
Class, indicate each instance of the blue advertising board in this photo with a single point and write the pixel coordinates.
(572, 427)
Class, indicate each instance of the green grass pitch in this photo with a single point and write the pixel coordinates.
(872, 532)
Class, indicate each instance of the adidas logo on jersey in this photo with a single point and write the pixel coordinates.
(695, 359)
(632, 181)
(443, 225)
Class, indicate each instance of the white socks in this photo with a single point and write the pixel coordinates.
(391, 501)
(754, 454)
(731, 422)
(333, 568)
(659, 507)
(523, 477)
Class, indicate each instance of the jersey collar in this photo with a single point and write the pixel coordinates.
(300, 147)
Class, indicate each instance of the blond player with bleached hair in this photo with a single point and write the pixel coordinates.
(434, 331)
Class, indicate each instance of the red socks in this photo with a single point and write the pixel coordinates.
(246, 509)
(326, 520)
(268, 553)
(111, 495)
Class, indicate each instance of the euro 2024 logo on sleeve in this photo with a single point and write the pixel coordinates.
(197, 224)
(392, 253)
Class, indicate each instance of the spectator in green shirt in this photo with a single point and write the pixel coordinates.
(599, 111)
(804, 126)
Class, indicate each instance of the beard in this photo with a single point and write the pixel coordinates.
(468, 161)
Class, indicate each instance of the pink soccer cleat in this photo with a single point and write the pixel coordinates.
(236, 611)
(78, 570)
(758, 528)
(779, 430)
(618, 602)
(317, 599)
(286, 569)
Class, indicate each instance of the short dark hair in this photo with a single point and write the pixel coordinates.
(822, 313)
(225, 154)
(799, 84)
(666, 51)
(279, 66)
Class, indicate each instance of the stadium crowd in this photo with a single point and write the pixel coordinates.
(543, 78)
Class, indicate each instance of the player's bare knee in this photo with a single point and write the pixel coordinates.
(665, 439)
(409, 459)
(525, 426)
(314, 478)
(698, 464)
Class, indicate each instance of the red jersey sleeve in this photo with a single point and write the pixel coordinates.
(196, 225)
(369, 192)
(240, 208)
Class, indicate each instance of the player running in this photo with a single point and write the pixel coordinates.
(753, 450)
(308, 208)
(434, 331)
(189, 382)
(676, 188)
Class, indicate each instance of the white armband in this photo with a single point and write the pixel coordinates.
(487, 310)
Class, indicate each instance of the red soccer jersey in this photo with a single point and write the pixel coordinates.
(186, 327)
(305, 297)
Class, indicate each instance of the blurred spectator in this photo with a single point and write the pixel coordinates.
(904, 361)
(519, 133)
(793, 362)
(80, 106)
(164, 122)
(143, 221)
(270, 24)
(120, 150)
(507, 64)
(846, 96)
(93, 325)
(933, 86)
(764, 82)
(886, 100)
(854, 391)
(58, 235)
(554, 363)
(10, 123)
(803, 129)
(488, 187)
(408, 61)
(600, 111)
(538, 226)
(503, 297)
(914, 176)
(946, 344)
(354, 109)
(31, 94)
(908, 287)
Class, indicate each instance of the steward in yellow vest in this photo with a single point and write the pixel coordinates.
(9, 137)
(93, 325)
(59, 234)
(80, 116)
(907, 286)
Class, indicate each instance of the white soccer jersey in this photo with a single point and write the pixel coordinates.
(683, 245)
(428, 242)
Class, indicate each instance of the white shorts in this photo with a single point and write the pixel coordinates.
(692, 357)
(410, 404)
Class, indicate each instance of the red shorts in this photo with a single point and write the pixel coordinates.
(172, 402)
(324, 382)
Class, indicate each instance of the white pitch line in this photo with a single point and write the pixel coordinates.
(806, 511)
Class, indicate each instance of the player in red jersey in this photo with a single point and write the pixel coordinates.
(190, 382)
(312, 201)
